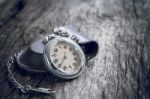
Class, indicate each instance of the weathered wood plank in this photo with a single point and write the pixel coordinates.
(121, 27)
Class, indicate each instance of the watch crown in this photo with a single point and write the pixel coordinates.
(57, 31)
(61, 32)
(64, 34)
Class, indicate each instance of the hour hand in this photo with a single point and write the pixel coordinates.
(64, 57)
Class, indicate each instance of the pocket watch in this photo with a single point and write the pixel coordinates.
(62, 54)
(64, 57)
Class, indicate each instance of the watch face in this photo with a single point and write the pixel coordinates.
(64, 57)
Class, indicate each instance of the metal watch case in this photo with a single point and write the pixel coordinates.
(52, 67)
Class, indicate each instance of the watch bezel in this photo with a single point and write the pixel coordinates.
(51, 66)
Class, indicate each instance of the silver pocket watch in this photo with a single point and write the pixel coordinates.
(64, 57)
(62, 54)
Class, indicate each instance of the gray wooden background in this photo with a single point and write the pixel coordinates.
(121, 69)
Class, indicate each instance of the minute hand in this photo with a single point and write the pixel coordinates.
(63, 59)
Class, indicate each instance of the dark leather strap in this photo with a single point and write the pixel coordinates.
(31, 58)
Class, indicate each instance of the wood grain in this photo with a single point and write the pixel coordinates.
(121, 69)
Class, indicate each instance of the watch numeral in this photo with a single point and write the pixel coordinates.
(65, 47)
(70, 49)
(74, 53)
(59, 65)
(75, 59)
(56, 60)
(64, 67)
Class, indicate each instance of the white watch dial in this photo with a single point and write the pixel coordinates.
(65, 57)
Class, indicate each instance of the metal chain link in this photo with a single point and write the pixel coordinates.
(16, 84)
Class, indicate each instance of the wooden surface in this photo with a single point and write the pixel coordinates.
(121, 69)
